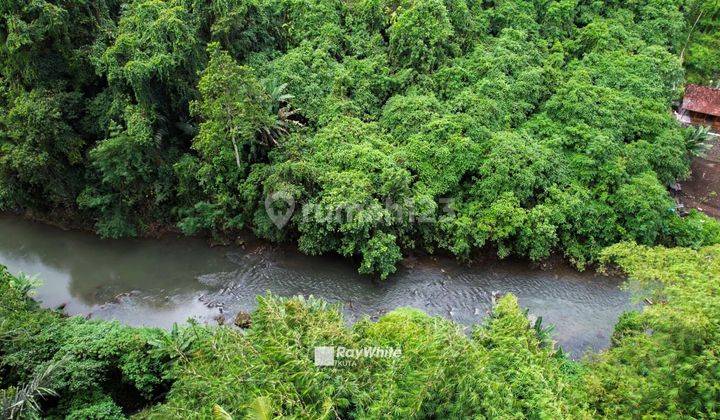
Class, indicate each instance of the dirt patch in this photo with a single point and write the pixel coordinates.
(702, 190)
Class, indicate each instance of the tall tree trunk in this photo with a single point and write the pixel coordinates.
(687, 41)
(237, 153)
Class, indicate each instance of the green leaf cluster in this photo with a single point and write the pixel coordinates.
(546, 124)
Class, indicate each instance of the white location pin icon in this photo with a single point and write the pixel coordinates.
(280, 217)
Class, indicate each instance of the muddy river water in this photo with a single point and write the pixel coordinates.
(158, 282)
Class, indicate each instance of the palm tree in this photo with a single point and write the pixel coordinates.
(697, 140)
(279, 106)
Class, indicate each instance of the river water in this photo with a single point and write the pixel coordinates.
(157, 282)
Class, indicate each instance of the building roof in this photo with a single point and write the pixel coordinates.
(702, 99)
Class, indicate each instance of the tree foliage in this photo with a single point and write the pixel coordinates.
(664, 360)
(94, 369)
(701, 43)
(544, 124)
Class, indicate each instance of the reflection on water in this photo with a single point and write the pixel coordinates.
(159, 282)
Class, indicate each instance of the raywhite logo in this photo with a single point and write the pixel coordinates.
(326, 356)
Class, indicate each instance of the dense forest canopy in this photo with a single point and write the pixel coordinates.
(541, 125)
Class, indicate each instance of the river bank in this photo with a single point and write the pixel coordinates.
(158, 282)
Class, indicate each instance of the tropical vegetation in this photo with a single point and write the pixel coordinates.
(524, 127)
(662, 362)
(379, 128)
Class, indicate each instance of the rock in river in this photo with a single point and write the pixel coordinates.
(243, 320)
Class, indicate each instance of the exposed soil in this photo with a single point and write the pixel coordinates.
(702, 190)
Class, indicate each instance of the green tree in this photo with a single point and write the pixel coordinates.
(234, 110)
(420, 36)
(41, 153)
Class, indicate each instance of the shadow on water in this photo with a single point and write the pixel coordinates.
(161, 281)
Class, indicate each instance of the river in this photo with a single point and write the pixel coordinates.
(158, 282)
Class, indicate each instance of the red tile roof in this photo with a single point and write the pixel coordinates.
(702, 99)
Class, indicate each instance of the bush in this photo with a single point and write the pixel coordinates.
(664, 362)
(100, 369)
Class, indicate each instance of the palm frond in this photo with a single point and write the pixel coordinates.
(260, 409)
(283, 122)
(24, 402)
(219, 413)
